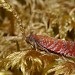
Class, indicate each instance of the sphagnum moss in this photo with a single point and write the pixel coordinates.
(54, 18)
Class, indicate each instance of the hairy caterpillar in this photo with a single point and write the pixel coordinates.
(66, 48)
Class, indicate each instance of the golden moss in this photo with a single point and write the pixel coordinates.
(19, 18)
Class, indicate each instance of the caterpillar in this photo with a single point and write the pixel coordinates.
(58, 46)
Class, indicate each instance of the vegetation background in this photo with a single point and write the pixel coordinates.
(19, 18)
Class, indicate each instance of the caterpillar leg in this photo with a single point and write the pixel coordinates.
(42, 49)
(35, 46)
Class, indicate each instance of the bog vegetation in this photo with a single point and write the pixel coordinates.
(19, 18)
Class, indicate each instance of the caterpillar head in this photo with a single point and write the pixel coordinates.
(31, 39)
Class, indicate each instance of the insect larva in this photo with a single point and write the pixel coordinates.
(66, 48)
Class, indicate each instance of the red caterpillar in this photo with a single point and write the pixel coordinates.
(66, 48)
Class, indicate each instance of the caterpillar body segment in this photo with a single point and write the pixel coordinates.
(62, 47)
